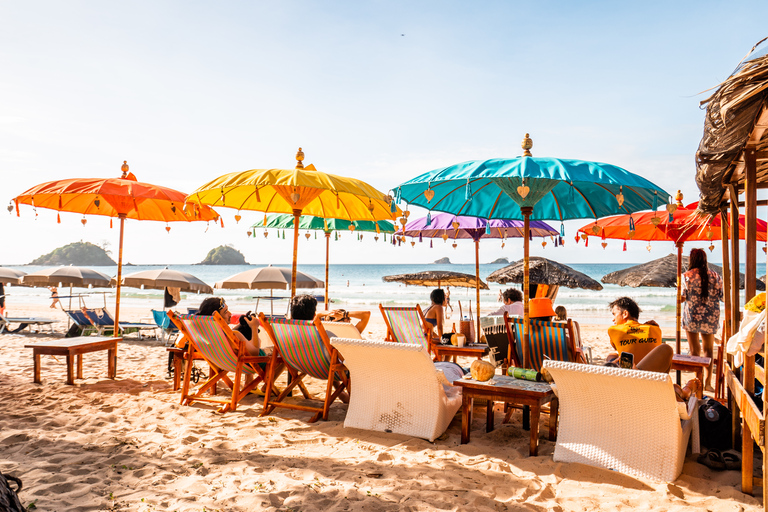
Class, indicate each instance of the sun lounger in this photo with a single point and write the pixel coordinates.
(396, 389)
(547, 341)
(406, 325)
(5, 322)
(623, 420)
(103, 321)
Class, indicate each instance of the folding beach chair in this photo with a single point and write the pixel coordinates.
(406, 325)
(168, 330)
(548, 340)
(211, 339)
(304, 348)
(5, 322)
(103, 320)
(81, 320)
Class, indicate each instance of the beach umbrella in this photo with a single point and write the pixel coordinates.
(67, 276)
(160, 279)
(437, 279)
(299, 191)
(124, 198)
(677, 224)
(445, 226)
(10, 276)
(309, 222)
(531, 188)
(269, 278)
(544, 271)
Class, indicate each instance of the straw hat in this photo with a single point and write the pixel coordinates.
(541, 306)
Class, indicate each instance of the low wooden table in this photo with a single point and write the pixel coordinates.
(474, 350)
(513, 391)
(76, 347)
(693, 364)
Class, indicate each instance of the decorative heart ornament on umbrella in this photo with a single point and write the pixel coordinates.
(299, 191)
(529, 187)
(124, 198)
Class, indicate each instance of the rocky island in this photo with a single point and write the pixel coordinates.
(84, 254)
(443, 261)
(224, 255)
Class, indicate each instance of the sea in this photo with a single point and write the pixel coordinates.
(360, 286)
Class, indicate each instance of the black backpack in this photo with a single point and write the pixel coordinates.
(715, 425)
(9, 499)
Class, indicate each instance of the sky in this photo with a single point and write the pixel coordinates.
(186, 91)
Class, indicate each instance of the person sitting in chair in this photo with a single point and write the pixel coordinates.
(342, 315)
(540, 308)
(433, 315)
(252, 342)
(513, 303)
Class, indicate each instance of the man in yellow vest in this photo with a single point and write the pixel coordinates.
(643, 341)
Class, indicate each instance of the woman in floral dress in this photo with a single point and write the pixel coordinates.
(702, 293)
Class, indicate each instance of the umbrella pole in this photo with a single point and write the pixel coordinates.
(678, 305)
(526, 211)
(271, 304)
(327, 253)
(296, 215)
(119, 276)
(477, 287)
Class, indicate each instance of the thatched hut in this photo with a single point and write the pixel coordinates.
(544, 271)
(661, 273)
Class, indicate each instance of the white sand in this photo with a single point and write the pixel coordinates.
(128, 445)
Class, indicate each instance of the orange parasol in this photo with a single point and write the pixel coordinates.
(124, 198)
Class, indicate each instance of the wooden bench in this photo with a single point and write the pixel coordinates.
(76, 347)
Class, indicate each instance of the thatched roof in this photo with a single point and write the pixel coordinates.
(737, 115)
(544, 271)
(660, 273)
(437, 279)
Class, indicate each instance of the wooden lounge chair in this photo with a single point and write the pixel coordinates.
(548, 340)
(5, 322)
(304, 348)
(623, 420)
(406, 325)
(211, 339)
(397, 389)
(102, 319)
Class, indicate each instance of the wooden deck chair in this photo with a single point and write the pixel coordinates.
(407, 325)
(548, 340)
(304, 348)
(211, 339)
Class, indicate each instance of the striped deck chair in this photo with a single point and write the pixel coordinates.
(304, 348)
(80, 319)
(406, 325)
(211, 339)
(548, 340)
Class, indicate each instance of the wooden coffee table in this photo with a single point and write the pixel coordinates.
(512, 391)
(472, 350)
(693, 364)
(73, 348)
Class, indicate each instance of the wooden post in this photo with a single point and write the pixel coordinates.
(728, 299)
(735, 317)
(477, 287)
(750, 272)
(296, 216)
(116, 331)
(327, 256)
(526, 211)
(678, 305)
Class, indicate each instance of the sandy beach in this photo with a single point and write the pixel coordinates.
(128, 445)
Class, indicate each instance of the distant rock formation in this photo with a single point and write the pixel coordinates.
(500, 261)
(224, 255)
(443, 261)
(82, 254)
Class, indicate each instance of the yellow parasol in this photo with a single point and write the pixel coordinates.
(299, 191)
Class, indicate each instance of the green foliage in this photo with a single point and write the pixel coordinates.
(224, 255)
(83, 254)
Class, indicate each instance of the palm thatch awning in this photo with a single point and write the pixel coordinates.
(436, 278)
(659, 273)
(544, 271)
(736, 118)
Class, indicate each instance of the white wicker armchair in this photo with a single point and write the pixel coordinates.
(396, 388)
(624, 420)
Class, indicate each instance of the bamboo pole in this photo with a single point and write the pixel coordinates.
(296, 216)
(750, 271)
(477, 288)
(526, 211)
(678, 305)
(735, 317)
(116, 330)
(327, 259)
(727, 291)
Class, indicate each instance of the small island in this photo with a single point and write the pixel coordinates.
(78, 253)
(224, 255)
(443, 261)
(500, 261)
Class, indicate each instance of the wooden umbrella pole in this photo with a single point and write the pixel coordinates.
(327, 259)
(526, 211)
(677, 303)
(477, 288)
(296, 216)
(119, 275)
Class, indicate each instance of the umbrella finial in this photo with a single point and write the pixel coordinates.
(679, 199)
(299, 159)
(124, 168)
(527, 144)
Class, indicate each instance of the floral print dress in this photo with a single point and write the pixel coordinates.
(701, 314)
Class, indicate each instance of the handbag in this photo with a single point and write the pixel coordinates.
(465, 326)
